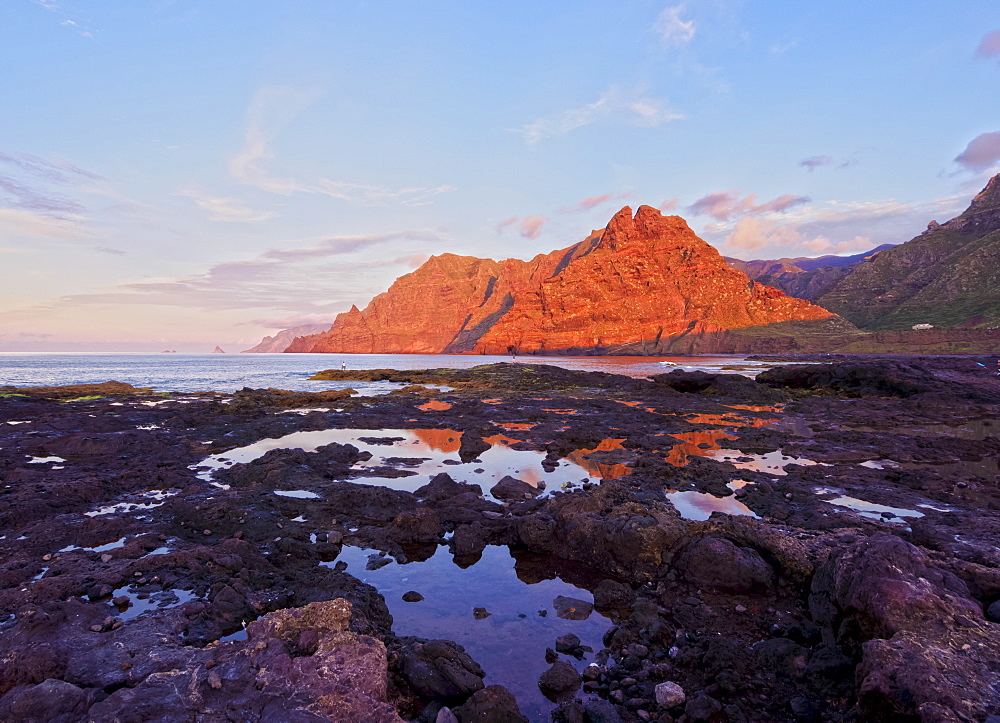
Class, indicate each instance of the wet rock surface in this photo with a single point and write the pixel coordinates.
(861, 583)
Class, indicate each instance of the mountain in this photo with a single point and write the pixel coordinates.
(771, 270)
(280, 341)
(645, 284)
(948, 276)
(218, 350)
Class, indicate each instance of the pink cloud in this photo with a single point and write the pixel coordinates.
(727, 205)
(989, 46)
(507, 222)
(982, 152)
(531, 226)
(591, 202)
(669, 205)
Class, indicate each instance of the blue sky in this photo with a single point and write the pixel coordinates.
(180, 174)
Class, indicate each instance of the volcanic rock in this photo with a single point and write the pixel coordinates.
(644, 280)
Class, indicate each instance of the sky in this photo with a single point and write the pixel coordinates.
(180, 174)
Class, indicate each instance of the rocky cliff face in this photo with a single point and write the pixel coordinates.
(280, 341)
(644, 283)
(947, 276)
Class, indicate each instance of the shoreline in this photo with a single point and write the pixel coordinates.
(869, 553)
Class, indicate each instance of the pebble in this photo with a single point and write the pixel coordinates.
(120, 601)
(674, 651)
(480, 613)
(106, 557)
(741, 608)
(214, 680)
(206, 533)
(669, 694)
(96, 628)
(592, 672)
(412, 596)
(46, 557)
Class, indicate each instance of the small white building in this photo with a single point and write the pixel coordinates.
(921, 327)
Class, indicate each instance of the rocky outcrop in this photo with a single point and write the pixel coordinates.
(645, 282)
(297, 664)
(280, 341)
(926, 651)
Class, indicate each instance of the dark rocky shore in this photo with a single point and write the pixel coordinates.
(862, 582)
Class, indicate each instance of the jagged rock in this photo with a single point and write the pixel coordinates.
(492, 704)
(567, 300)
(437, 669)
(559, 680)
(719, 564)
(922, 638)
(417, 526)
(53, 701)
(296, 664)
(509, 488)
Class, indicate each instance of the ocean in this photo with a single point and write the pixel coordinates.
(231, 372)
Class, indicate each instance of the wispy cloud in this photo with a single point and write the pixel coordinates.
(830, 228)
(727, 205)
(989, 46)
(221, 208)
(507, 222)
(669, 205)
(591, 202)
(814, 162)
(56, 7)
(16, 222)
(531, 226)
(29, 183)
(982, 152)
(284, 279)
(671, 28)
(271, 109)
(615, 105)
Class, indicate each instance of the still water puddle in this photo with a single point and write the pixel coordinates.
(871, 510)
(161, 600)
(426, 452)
(700, 505)
(45, 460)
(113, 545)
(510, 642)
(146, 501)
(771, 463)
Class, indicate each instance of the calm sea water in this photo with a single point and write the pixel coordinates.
(230, 372)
